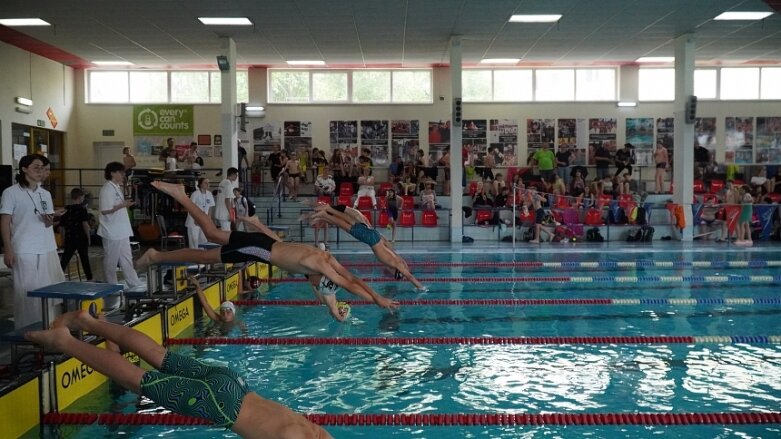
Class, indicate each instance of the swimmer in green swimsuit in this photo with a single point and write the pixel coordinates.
(181, 384)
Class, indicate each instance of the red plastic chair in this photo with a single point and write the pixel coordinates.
(774, 197)
(325, 199)
(429, 218)
(716, 186)
(604, 201)
(407, 218)
(409, 201)
(624, 200)
(738, 182)
(562, 202)
(472, 188)
(699, 187)
(346, 200)
(384, 187)
(368, 215)
(346, 189)
(365, 203)
(527, 218)
(593, 217)
(383, 218)
(382, 203)
(483, 216)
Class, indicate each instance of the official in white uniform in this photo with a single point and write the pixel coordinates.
(115, 230)
(26, 218)
(225, 199)
(205, 201)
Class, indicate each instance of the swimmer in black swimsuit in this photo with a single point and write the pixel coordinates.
(263, 247)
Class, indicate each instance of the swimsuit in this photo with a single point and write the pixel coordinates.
(192, 388)
(393, 208)
(247, 247)
(661, 165)
(366, 235)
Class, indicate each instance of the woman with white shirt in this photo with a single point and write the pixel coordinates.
(26, 219)
(204, 199)
(115, 231)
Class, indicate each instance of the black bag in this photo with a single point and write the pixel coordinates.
(635, 235)
(250, 208)
(648, 233)
(593, 235)
(528, 235)
(640, 216)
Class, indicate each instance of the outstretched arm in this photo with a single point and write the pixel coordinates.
(202, 298)
(254, 222)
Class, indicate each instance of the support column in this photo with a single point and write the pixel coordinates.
(456, 147)
(230, 135)
(683, 155)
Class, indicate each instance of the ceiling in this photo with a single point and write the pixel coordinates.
(390, 33)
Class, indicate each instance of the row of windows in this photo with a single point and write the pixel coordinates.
(528, 85)
(175, 87)
(727, 83)
(350, 86)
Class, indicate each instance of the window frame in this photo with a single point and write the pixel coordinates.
(88, 86)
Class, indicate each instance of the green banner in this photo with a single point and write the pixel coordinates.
(162, 120)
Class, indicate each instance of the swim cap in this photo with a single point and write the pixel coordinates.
(229, 306)
(327, 286)
(254, 282)
(344, 308)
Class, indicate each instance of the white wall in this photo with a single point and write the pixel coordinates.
(49, 84)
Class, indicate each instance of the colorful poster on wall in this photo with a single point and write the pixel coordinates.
(768, 140)
(266, 136)
(568, 130)
(503, 141)
(705, 132)
(739, 140)
(374, 136)
(601, 132)
(438, 139)
(298, 136)
(405, 136)
(474, 137)
(163, 120)
(539, 132)
(343, 134)
(640, 133)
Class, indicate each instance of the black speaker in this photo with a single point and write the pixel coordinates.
(6, 177)
(691, 110)
(457, 111)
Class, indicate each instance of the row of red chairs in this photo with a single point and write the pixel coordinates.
(366, 202)
(714, 187)
(346, 189)
(429, 218)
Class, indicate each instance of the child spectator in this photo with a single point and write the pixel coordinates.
(325, 184)
(393, 204)
(428, 198)
(74, 227)
(241, 207)
(744, 221)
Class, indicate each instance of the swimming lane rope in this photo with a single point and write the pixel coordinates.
(575, 264)
(569, 279)
(530, 302)
(397, 341)
(447, 419)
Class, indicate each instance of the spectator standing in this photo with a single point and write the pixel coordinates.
(661, 159)
(224, 199)
(563, 161)
(624, 159)
(702, 159)
(128, 159)
(545, 160)
(115, 231)
(242, 208)
(204, 199)
(26, 219)
(602, 158)
(74, 225)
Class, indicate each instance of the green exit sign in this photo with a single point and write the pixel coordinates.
(41, 123)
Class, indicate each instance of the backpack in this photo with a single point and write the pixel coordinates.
(635, 235)
(528, 235)
(648, 233)
(593, 235)
(250, 208)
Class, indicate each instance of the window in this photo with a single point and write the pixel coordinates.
(147, 87)
(350, 86)
(329, 87)
(554, 85)
(412, 86)
(739, 83)
(371, 86)
(705, 83)
(476, 85)
(513, 85)
(122, 87)
(771, 83)
(108, 87)
(656, 85)
(595, 84)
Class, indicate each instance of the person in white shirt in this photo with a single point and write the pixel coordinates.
(115, 230)
(202, 198)
(222, 213)
(26, 219)
(366, 187)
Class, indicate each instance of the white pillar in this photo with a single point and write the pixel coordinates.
(456, 147)
(230, 135)
(683, 155)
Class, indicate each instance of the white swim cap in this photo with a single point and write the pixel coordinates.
(229, 306)
(327, 286)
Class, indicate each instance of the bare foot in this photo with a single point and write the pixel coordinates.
(172, 189)
(535, 241)
(74, 320)
(51, 338)
(146, 260)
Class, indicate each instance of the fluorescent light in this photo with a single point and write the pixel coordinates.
(225, 21)
(23, 22)
(24, 101)
(742, 15)
(626, 104)
(499, 60)
(306, 63)
(25, 110)
(656, 59)
(112, 63)
(535, 18)
(254, 108)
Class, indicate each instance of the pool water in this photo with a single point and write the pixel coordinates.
(550, 378)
